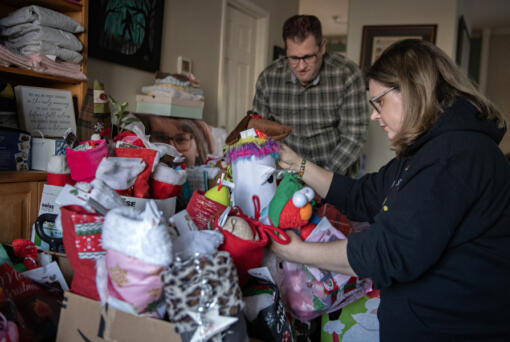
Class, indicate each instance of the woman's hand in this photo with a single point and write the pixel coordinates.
(290, 251)
(289, 160)
(330, 256)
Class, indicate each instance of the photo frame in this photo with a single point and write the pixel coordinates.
(126, 32)
(463, 45)
(376, 38)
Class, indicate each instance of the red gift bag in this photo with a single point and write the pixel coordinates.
(202, 210)
(247, 254)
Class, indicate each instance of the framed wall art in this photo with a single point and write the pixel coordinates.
(376, 39)
(126, 32)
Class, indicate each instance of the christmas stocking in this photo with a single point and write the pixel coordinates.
(141, 186)
(81, 236)
(167, 182)
(138, 248)
(58, 171)
(120, 173)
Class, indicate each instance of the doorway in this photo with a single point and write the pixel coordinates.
(243, 55)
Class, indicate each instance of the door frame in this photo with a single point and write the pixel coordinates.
(261, 47)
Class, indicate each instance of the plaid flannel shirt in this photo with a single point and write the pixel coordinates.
(329, 116)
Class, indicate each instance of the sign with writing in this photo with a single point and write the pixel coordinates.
(45, 110)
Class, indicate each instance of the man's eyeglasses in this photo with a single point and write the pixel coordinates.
(374, 100)
(308, 59)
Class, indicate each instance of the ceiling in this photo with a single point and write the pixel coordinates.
(490, 14)
(334, 14)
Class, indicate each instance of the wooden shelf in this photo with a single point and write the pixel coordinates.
(20, 192)
(22, 176)
(57, 5)
(37, 75)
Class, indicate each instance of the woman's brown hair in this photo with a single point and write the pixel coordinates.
(429, 82)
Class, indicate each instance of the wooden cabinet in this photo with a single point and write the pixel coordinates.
(20, 192)
(20, 195)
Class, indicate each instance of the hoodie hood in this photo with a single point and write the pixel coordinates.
(460, 116)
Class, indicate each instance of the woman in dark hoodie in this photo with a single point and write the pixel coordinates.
(438, 246)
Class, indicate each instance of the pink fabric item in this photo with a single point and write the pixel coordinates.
(134, 281)
(83, 164)
(42, 64)
(8, 330)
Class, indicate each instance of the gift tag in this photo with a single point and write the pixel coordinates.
(210, 325)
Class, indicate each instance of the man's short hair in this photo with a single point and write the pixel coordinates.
(299, 27)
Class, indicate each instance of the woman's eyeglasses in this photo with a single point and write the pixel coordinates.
(374, 101)
(181, 141)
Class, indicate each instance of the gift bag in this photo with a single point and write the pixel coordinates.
(202, 209)
(247, 254)
(310, 292)
(265, 314)
(356, 322)
(83, 164)
(196, 290)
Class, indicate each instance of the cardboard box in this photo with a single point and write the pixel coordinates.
(43, 149)
(83, 319)
(14, 150)
(167, 106)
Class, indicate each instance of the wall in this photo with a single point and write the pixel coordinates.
(325, 10)
(191, 29)
(444, 13)
(498, 74)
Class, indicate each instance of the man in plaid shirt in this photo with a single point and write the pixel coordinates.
(321, 96)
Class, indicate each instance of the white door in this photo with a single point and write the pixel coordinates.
(239, 79)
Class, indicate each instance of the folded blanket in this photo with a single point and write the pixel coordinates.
(42, 16)
(25, 34)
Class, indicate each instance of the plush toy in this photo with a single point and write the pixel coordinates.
(291, 206)
(253, 160)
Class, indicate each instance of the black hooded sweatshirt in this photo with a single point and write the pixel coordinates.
(438, 246)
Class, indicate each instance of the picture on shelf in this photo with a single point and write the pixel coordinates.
(126, 32)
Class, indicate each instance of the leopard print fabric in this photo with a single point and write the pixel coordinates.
(198, 282)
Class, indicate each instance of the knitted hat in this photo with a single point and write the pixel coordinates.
(141, 235)
(101, 104)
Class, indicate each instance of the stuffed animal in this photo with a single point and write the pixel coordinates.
(291, 206)
(253, 160)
